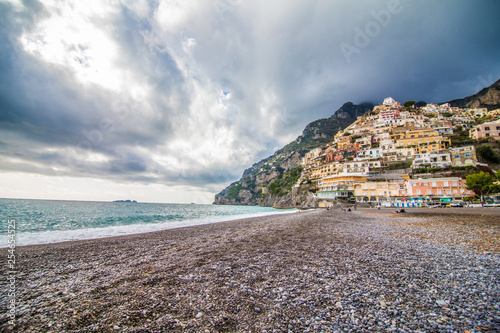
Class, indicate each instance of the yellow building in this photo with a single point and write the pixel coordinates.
(339, 186)
(400, 131)
(344, 142)
(325, 170)
(433, 146)
(425, 141)
(419, 133)
(378, 191)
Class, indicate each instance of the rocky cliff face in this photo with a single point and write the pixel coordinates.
(487, 98)
(252, 188)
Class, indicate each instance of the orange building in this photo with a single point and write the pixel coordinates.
(435, 188)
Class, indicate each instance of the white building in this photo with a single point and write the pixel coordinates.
(389, 101)
(373, 153)
(435, 159)
(361, 166)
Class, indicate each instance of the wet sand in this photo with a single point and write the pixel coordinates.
(428, 270)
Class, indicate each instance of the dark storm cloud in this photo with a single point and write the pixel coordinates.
(206, 89)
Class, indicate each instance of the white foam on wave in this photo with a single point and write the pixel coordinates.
(47, 237)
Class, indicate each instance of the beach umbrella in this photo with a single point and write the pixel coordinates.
(428, 198)
(413, 199)
(404, 199)
(420, 199)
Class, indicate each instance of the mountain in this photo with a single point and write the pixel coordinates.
(487, 98)
(280, 171)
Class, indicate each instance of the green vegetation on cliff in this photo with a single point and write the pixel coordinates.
(283, 183)
(234, 191)
(486, 154)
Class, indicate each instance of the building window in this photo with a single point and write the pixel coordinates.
(468, 155)
(486, 128)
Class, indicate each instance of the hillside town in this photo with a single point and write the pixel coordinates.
(401, 156)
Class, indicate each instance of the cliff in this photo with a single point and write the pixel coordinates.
(487, 98)
(269, 181)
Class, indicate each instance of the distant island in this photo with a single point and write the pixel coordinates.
(125, 201)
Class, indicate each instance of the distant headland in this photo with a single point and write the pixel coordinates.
(125, 201)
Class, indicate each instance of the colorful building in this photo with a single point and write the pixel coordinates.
(425, 143)
(433, 159)
(463, 156)
(438, 188)
(486, 130)
(339, 186)
(378, 191)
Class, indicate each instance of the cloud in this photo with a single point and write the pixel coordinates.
(189, 93)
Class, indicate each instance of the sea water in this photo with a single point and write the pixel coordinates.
(49, 221)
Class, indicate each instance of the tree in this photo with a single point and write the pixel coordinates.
(486, 154)
(409, 104)
(234, 191)
(274, 188)
(482, 183)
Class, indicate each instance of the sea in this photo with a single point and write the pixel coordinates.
(51, 221)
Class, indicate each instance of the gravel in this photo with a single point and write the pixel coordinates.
(317, 271)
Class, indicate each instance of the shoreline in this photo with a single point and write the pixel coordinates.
(410, 211)
(74, 235)
(368, 270)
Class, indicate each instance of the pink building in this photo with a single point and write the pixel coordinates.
(390, 114)
(486, 130)
(435, 188)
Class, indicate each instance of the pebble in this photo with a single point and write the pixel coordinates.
(441, 302)
(312, 272)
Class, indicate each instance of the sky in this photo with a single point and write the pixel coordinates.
(169, 101)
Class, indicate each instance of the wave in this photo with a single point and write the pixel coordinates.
(56, 236)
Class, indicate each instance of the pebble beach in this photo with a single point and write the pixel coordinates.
(427, 270)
